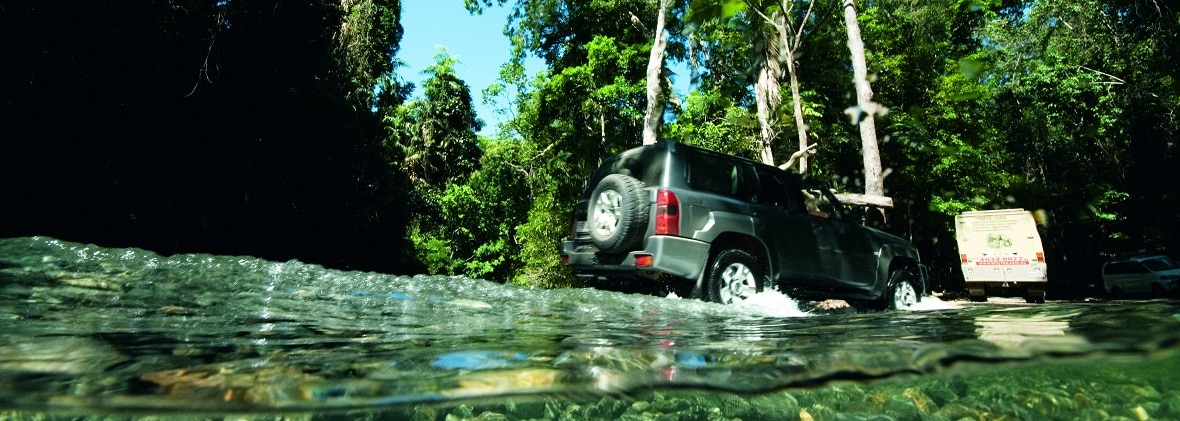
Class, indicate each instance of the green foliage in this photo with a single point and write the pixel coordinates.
(435, 136)
(714, 122)
(1068, 108)
(368, 40)
(548, 220)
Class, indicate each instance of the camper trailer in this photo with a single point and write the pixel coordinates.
(1001, 254)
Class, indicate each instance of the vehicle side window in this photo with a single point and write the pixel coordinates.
(1159, 265)
(1125, 268)
(773, 190)
(817, 204)
(717, 175)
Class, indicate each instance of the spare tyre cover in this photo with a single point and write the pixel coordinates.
(618, 213)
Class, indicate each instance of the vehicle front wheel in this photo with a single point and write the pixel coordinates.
(903, 289)
(734, 276)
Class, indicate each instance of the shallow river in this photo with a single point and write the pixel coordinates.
(126, 333)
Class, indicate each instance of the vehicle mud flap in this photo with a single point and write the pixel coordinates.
(698, 289)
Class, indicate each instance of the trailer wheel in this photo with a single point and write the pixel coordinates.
(977, 295)
(1034, 295)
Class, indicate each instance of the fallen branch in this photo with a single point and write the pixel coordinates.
(858, 199)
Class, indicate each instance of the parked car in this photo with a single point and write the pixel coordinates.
(727, 228)
(1157, 275)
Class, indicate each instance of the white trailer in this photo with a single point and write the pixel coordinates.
(1001, 254)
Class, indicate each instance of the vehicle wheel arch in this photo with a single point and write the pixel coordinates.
(906, 263)
(734, 241)
(902, 270)
(749, 244)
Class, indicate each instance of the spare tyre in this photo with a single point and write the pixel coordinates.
(617, 217)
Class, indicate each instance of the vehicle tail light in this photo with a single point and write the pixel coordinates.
(963, 258)
(1040, 257)
(643, 260)
(565, 260)
(667, 213)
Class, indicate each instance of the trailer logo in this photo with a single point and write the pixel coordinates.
(998, 241)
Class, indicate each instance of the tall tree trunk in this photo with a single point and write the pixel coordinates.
(874, 186)
(793, 43)
(799, 123)
(767, 94)
(789, 41)
(653, 119)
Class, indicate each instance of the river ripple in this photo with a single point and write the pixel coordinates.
(92, 330)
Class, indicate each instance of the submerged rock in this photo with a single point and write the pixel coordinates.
(67, 355)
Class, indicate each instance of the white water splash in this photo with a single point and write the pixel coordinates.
(930, 303)
(772, 303)
(775, 304)
(769, 303)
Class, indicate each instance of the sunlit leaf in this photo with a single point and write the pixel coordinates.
(971, 68)
(732, 7)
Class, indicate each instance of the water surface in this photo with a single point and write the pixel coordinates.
(126, 332)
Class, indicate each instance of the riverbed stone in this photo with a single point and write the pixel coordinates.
(819, 412)
(956, 411)
(1170, 405)
(902, 408)
(462, 412)
(424, 413)
(1083, 399)
(923, 402)
(777, 406)
(839, 395)
(729, 404)
(940, 393)
(64, 355)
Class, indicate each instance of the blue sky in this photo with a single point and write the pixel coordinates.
(476, 41)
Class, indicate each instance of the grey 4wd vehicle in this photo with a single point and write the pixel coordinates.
(728, 227)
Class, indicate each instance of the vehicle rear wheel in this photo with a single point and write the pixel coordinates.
(902, 292)
(617, 217)
(734, 276)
